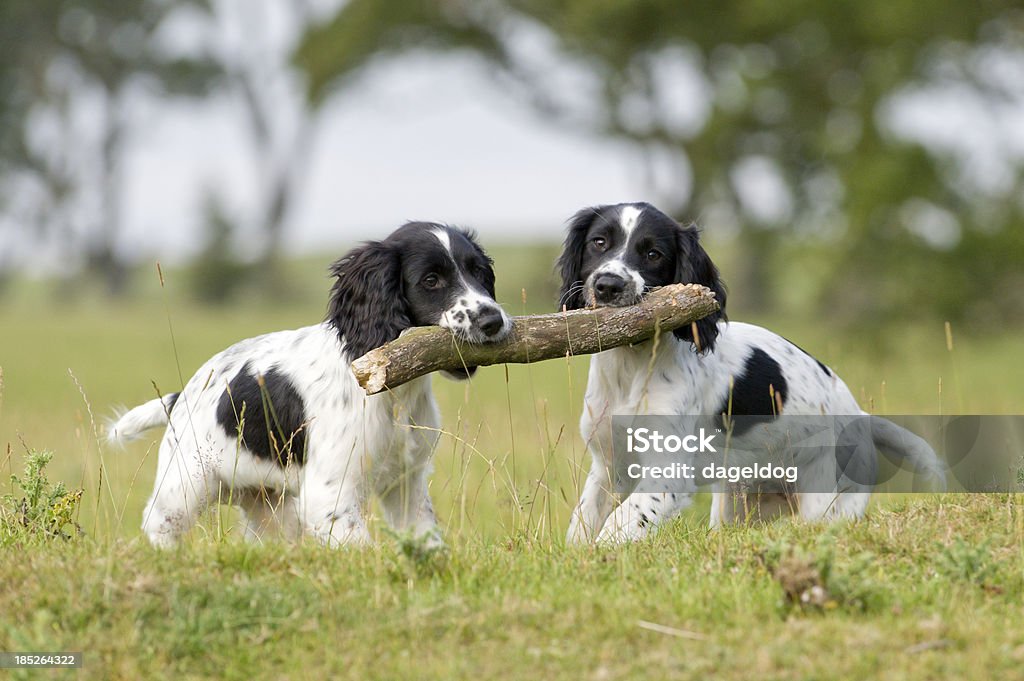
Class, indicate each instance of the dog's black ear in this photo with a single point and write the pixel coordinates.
(367, 305)
(570, 263)
(487, 276)
(694, 266)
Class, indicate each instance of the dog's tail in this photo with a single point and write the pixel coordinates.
(134, 422)
(898, 440)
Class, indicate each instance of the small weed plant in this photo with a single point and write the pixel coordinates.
(37, 510)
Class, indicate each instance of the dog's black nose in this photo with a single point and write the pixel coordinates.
(608, 287)
(490, 321)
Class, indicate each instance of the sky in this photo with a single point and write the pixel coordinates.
(420, 137)
(424, 139)
(431, 137)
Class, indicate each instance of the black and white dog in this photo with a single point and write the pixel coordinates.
(278, 425)
(612, 254)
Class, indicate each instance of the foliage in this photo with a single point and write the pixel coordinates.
(509, 600)
(43, 510)
(68, 74)
(73, 78)
(816, 578)
(217, 275)
(230, 610)
(966, 561)
(798, 92)
(417, 557)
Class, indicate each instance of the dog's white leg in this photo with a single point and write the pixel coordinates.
(174, 508)
(817, 505)
(594, 506)
(828, 505)
(185, 485)
(170, 515)
(717, 500)
(640, 514)
(255, 521)
(849, 505)
(728, 506)
(333, 513)
(769, 506)
(404, 495)
(342, 525)
(288, 517)
(408, 508)
(738, 505)
(270, 515)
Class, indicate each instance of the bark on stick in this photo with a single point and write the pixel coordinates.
(534, 338)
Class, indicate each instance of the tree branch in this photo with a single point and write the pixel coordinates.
(534, 338)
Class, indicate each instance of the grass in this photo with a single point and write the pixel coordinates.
(923, 588)
(689, 603)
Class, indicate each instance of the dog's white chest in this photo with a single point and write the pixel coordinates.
(628, 381)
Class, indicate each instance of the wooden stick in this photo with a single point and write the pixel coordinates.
(422, 350)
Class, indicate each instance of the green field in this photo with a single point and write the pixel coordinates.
(923, 588)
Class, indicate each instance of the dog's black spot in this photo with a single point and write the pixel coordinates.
(459, 316)
(644, 520)
(759, 391)
(828, 372)
(172, 400)
(273, 428)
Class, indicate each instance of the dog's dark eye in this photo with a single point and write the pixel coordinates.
(653, 255)
(599, 242)
(431, 281)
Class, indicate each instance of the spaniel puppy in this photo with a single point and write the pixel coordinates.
(612, 254)
(278, 426)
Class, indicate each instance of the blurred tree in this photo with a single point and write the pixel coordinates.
(68, 69)
(282, 123)
(251, 43)
(218, 274)
(771, 117)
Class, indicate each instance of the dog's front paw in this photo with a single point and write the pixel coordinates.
(626, 524)
(578, 534)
